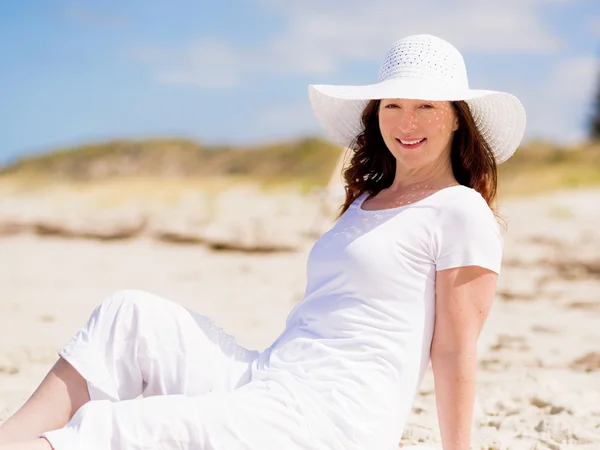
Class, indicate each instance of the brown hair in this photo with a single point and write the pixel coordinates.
(373, 167)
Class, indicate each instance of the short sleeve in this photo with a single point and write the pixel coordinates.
(468, 234)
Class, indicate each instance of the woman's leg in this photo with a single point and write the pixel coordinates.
(139, 344)
(257, 416)
(134, 344)
(62, 392)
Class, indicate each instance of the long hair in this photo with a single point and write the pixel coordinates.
(373, 167)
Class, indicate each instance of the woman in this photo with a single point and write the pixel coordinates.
(406, 275)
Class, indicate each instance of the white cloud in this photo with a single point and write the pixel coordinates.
(573, 78)
(206, 63)
(320, 36)
(357, 29)
(557, 106)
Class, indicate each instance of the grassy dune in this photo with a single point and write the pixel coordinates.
(163, 169)
(540, 167)
(308, 160)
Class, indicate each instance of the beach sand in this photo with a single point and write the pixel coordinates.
(539, 354)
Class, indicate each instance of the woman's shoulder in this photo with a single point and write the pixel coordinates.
(461, 195)
(466, 232)
(462, 203)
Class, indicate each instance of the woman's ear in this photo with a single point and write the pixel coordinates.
(455, 127)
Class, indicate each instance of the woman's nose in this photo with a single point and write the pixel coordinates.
(407, 121)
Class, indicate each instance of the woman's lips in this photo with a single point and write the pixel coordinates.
(411, 146)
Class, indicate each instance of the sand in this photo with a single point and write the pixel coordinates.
(539, 354)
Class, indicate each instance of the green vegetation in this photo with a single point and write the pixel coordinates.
(308, 161)
(542, 166)
(173, 165)
(595, 116)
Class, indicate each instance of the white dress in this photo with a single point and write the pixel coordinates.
(342, 375)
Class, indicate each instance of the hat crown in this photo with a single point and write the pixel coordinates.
(425, 56)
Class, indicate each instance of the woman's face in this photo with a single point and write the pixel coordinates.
(417, 132)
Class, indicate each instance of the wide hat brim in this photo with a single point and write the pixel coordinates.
(500, 117)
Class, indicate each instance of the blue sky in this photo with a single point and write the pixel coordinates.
(237, 71)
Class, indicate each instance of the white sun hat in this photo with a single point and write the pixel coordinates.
(422, 67)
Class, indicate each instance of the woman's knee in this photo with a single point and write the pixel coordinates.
(132, 304)
(132, 298)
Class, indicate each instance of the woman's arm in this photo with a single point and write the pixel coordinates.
(463, 301)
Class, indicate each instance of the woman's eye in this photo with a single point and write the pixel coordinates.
(427, 106)
(391, 105)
